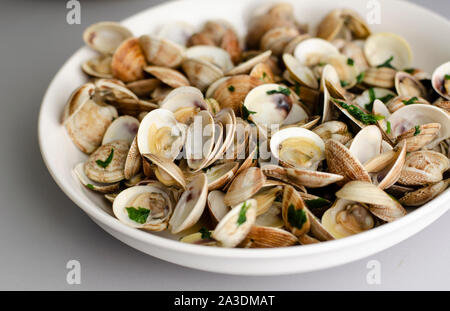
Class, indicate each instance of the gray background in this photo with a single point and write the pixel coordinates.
(41, 229)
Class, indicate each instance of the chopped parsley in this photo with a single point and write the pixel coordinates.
(231, 88)
(206, 234)
(344, 83)
(297, 88)
(264, 75)
(90, 186)
(317, 203)
(386, 98)
(350, 62)
(416, 130)
(409, 70)
(387, 63)
(373, 97)
(360, 77)
(296, 217)
(139, 214)
(411, 101)
(105, 163)
(447, 77)
(246, 113)
(358, 114)
(281, 90)
(321, 64)
(242, 214)
(388, 130)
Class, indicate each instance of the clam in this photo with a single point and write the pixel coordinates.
(211, 54)
(272, 217)
(123, 128)
(219, 175)
(231, 44)
(161, 52)
(423, 167)
(244, 186)
(266, 197)
(419, 136)
(190, 206)
(177, 32)
(166, 171)
(99, 66)
(227, 119)
(200, 140)
(201, 73)
(298, 147)
(276, 39)
(144, 207)
(407, 85)
(300, 73)
(128, 61)
(339, 22)
(237, 223)
(107, 163)
(347, 72)
(294, 212)
(161, 134)
(380, 77)
(200, 238)
(133, 162)
(230, 93)
(268, 237)
(105, 37)
(367, 98)
(402, 101)
(216, 206)
(79, 173)
(290, 47)
(311, 52)
(441, 80)
(388, 49)
(347, 218)
(263, 72)
(78, 97)
(143, 88)
(246, 66)
(379, 202)
(168, 76)
(185, 102)
(335, 130)
(425, 194)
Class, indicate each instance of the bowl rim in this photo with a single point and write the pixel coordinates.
(284, 252)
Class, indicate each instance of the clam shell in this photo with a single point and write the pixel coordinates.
(191, 205)
(399, 102)
(292, 205)
(168, 167)
(233, 228)
(201, 73)
(105, 37)
(212, 54)
(246, 66)
(128, 61)
(381, 46)
(407, 85)
(391, 173)
(425, 194)
(133, 162)
(311, 52)
(161, 52)
(439, 82)
(220, 174)
(122, 128)
(244, 186)
(276, 39)
(168, 76)
(113, 172)
(217, 208)
(333, 130)
(99, 66)
(268, 237)
(366, 144)
(272, 217)
(380, 77)
(263, 72)
(143, 88)
(414, 142)
(78, 172)
(300, 73)
(231, 44)
(290, 47)
(200, 140)
(265, 198)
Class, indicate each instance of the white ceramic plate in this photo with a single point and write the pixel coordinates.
(423, 29)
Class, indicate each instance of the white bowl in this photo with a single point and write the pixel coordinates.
(422, 28)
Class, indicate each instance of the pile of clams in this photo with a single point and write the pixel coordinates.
(284, 137)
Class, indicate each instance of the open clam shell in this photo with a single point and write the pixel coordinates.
(168, 76)
(294, 214)
(212, 54)
(166, 167)
(191, 205)
(333, 130)
(277, 38)
(311, 52)
(237, 223)
(343, 23)
(246, 66)
(441, 80)
(200, 140)
(244, 186)
(389, 174)
(272, 217)
(128, 61)
(161, 52)
(99, 66)
(216, 206)
(425, 194)
(381, 47)
(268, 237)
(408, 85)
(133, 162)
(300, 73)
(201, 73)
(122, 128)
(219, 175)
(78, 171)
(106, 164)
(143, 88)
(144, 207)
(105, 37)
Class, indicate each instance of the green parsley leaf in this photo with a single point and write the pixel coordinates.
(409, 70)
(206, 234)
(139, 214)
(416, 130)
(296, 217)
(281, 90)
(297, 88)
(358, 114)
(386, 98)
(231, 88)
(321, 64)
(105, 163)
(242, 214)
(350, 62)
(411, 101)
(372, 96)
(388, 130)
(264, 75)
(447, 77)
(387, 63)
(90, 186)
(317, 203)
(344, 83)
(360, 77)
(246, 113)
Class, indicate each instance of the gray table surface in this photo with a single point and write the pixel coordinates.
(41, 229)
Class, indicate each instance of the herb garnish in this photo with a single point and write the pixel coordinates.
(386, 98)
(350, 62)
(264, 75)
(281, 90)
(416, 130)
(447, 77)
(139, 214)
(206, 234)
(409, 70)
(297, 88)
(388, 130)
(344, 83)
(90, 186)
(296, 218)
(411, 101)
(387, 63)
(242, 214)
(231, 88)
(317, 203)
(372, 98)
(105, 163)
(246, 113)
(359, 114)
(360, 77)
(321, 64)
